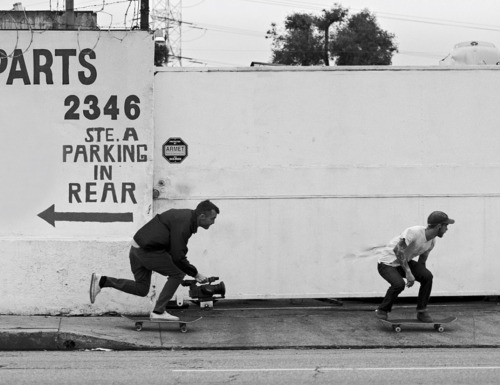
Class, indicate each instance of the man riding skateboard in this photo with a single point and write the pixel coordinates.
(161, 246)
(397, 262)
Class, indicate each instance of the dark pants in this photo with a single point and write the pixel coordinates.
(394, 275)
(142, 264)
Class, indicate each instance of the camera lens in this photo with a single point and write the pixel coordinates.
(211, 290)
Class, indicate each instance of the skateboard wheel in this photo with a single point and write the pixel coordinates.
(138, 326)
(439, 328)
(184, 328)
(397, 329)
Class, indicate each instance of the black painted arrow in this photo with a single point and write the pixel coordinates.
(51, 216)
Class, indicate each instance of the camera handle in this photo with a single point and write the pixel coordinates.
(189, 282)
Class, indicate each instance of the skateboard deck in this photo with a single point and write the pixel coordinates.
(397, 323)
(139, 320)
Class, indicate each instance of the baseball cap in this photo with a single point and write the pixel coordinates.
(438, 217)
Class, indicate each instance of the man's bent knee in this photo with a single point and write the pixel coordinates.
(142, 291)
(399, 287)
(427, 277)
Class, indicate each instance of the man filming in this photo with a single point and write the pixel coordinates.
(161, 246)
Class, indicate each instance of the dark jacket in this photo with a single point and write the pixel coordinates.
(170, 231)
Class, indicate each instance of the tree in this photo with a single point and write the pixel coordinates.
(316, 40)
(299, 45)
(362, 42)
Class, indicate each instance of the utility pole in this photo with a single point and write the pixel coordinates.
(69, 15)
(144, 15)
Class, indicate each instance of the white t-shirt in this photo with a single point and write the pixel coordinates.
(416, 244)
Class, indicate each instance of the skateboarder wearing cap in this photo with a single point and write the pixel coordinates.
(161, 246)
(396, 262)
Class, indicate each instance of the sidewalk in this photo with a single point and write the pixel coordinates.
(261, 324)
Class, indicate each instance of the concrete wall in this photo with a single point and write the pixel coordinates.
(311, 166)
(70, 199)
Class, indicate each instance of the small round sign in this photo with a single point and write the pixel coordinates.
(175, 150)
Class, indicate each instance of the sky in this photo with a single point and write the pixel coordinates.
(232, 33)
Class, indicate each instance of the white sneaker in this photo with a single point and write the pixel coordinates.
(94, 286)
(164, 316)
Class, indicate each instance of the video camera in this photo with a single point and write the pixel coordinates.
(205, 292)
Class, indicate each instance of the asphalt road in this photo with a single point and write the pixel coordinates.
(358, 366)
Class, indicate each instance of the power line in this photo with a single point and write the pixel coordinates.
(227, 29)
(312, 6)
(307, 5)
(383, 15)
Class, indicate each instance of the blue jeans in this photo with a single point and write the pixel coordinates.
(394, 275)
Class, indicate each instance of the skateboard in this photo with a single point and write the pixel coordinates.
(438, 324)
(140, 320)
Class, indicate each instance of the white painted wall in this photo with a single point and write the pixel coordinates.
(310, 166)
(46, 149)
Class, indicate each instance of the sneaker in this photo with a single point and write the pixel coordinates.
(94, 286)
(164, 316)
(381, 314)
(423, 316)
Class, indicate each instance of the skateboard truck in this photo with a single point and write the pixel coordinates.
(205, 294)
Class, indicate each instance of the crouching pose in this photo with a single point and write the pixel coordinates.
(161, 246)
(397, 263)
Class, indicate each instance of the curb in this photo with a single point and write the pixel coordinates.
(42, 340)
(55, 341)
